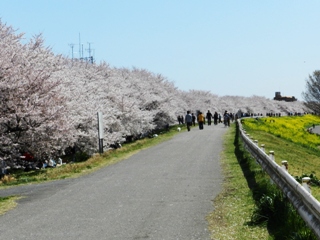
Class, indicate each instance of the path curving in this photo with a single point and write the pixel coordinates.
(164, 192)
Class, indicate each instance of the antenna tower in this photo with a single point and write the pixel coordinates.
(90, 58)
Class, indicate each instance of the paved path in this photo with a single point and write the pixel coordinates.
(164, 192)
(316, 130)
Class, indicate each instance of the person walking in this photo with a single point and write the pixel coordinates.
(215, 118)
(179, 119)
(188, 119)
(209, 117)
(193, 119)
(201, 119)
(226, 119)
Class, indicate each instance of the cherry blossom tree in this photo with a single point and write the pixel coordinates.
(32, 110)
(50, 103)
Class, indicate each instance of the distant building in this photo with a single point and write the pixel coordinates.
(278, 97)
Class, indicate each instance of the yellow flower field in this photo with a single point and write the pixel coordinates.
(290, 128)
(289, 139)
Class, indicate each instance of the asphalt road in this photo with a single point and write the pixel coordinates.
(164, 192)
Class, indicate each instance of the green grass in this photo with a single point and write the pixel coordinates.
(250, 206)
(293, 129)
(302, 159)
(234, 205)
(7, 203)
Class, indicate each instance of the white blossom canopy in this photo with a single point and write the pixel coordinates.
(49, 103)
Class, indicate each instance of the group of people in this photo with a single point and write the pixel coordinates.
(190, 119)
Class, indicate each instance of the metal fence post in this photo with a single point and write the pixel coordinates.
(284, 165)
(271, 155)
(305, 184)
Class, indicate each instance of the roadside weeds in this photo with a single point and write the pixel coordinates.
(234, 205)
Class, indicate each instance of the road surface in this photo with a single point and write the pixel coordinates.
(164, 192)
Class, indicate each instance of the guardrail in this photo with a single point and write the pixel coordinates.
(305, 204)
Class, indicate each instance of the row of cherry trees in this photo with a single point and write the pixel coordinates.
(49, 103)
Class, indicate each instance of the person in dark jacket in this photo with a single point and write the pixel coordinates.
(209, 117)
(226, 119)
(193, 119)
(215, 118)
(188, 119)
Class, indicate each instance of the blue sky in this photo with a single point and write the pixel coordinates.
(227, 47)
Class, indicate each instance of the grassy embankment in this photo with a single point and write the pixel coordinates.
(289, 139)
(234, 205)
(249, 206)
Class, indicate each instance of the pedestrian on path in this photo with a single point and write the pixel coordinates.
(188, 119)
(193, 119)
(209, 117)
(201, 120)
(215, 118)
(226, 119)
